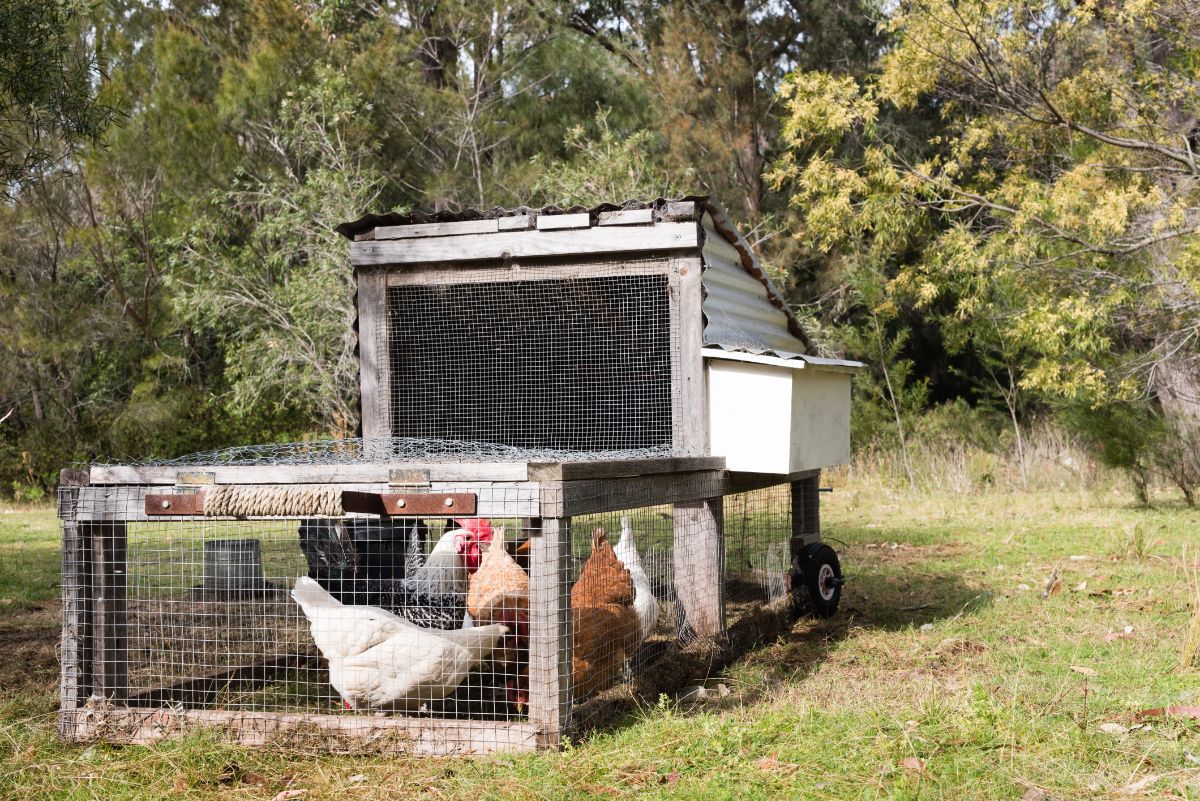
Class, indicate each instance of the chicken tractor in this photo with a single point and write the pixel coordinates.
(588, 473)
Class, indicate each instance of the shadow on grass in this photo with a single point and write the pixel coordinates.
(784, 646)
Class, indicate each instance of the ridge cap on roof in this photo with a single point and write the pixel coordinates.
(368, 221)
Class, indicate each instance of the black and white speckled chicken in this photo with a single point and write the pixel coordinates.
(432, 594)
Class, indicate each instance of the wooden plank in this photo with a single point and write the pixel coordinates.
(555, 222)
(395, 735)
(541, 270)
(372, 503)
(353, 473)
(501, 499)
(410, 503)
(110, 649)
(495, 247)
(436, 229)
(549, 631)
(75, 657)
(698, 558)
(372, 354)
(738, 481)
(616, 468)
(203, 690)
(569, 498)
(627, 217)
(519, 222)
(690, 412)
(680, 210)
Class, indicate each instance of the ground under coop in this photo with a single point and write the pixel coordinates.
(182, 606)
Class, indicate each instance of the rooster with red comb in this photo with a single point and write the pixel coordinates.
(432, 594)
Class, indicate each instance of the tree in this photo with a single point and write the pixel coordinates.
(48, 88)
(1063, 163)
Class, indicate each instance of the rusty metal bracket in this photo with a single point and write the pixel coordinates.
(427, 504)
(191, 503)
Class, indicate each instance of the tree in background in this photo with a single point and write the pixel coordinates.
(48, 87)
(1063, 164)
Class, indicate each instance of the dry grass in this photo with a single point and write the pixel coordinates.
(945, 675)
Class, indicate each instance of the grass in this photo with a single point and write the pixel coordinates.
(946, 674)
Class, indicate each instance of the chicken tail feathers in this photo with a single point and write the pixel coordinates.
(311, 595)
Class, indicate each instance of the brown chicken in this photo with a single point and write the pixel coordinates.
(605, 624)
(499, 593)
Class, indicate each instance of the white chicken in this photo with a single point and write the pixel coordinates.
(645, 605)
(378, 660)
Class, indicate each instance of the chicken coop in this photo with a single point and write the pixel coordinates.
(588, 472)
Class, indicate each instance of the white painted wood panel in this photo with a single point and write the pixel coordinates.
(766, 418)
(820, 434)
(750, 415)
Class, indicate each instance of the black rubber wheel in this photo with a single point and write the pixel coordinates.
(817, 581)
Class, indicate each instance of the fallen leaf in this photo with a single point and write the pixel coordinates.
(181, 783)
(1192, 712)
(284, 795)
(1112, 728)
(250, 777)
(1035, 794)
(671, 779)
(915, 764)
(1084, 671)
(1141, 784)
(771, 762)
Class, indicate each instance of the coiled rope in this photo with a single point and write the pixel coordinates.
(245, 500)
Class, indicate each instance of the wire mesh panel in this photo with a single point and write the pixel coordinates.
(454, 634)
(573, 359)
(641, 635)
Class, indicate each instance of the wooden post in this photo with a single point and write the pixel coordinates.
(372, 361)
(806, 513)
(110, 613)
(550, 630)
(698, 552)
(698, 556)
(76, 646)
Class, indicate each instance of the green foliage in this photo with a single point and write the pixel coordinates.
(264, 269)
(604, 165)
(48, 103)
(1049, 217)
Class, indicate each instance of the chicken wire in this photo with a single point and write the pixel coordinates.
(197, 614)
(548, 358)
(358, 450)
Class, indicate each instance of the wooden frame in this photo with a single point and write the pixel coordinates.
(95, 660)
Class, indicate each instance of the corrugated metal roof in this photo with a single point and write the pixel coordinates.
(740, 315)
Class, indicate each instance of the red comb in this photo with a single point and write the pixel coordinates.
(476, 525)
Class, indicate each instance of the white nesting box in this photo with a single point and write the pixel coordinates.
(638, 328)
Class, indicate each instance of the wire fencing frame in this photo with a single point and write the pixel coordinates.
(573, 357)
(190, 620)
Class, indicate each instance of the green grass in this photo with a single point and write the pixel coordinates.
(946, 674)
